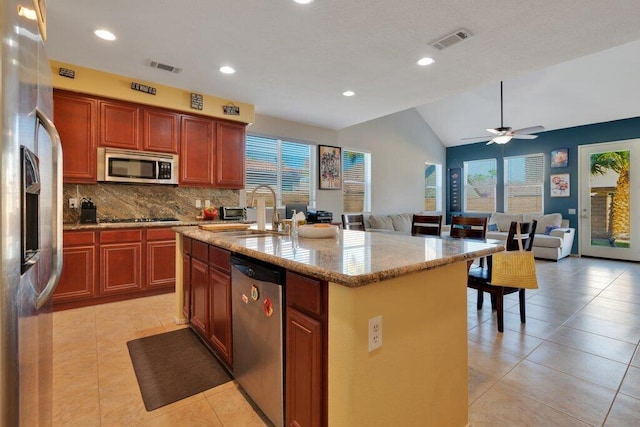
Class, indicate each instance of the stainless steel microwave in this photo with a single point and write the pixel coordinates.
(142, 167)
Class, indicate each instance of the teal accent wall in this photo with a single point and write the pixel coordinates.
(569, 138)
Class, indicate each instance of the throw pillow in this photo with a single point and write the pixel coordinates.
(548, 220)
(503, 220)
(547, 230)
(492, 227)
(382, 222)
(402, 222)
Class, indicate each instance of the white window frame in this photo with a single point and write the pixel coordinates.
(465, 207)
(437, 187)
(367, 178)
(540, 185)
(278, 189)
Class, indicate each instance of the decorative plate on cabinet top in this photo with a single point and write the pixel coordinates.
(318, 231)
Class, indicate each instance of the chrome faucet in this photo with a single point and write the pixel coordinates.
(275, 219)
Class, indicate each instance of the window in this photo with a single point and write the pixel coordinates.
(524, 183)
(432, 187)
(283, 165)
(480, 185)
(356, 181)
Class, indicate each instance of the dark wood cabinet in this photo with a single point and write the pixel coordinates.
(160, 131)
(75, 117)
(186, 277)
(200, 296)
(229, 170)
(306, 351)
(161, 258)
(119, 125)
(220, 302)
(78, 278)
(120, 263)
(196, 151)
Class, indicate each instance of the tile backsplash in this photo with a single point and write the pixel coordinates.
(139, 201)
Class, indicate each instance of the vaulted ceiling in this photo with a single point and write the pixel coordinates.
(564, 62)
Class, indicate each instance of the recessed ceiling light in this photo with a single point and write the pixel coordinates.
(105, 35)
(303, 1)
(227, 70)
(426, 61)
(348, 93)
(27, 13)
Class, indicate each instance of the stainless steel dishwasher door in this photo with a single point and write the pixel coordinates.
(256, 297)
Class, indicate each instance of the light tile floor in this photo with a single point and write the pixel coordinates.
(575, 362)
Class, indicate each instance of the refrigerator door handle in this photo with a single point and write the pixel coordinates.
(56, 250)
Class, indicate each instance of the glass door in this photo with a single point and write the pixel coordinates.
(609, 200)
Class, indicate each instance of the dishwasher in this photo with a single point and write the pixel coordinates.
(257, 317)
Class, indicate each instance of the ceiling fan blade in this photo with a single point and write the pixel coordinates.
(493, 131)
(520, 136)
(532, 129)
(490, 142)
(477, 138)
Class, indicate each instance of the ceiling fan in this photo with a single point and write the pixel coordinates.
(503, 134)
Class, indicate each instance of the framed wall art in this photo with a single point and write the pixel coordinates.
(560, 185)
(560, 158)
(330, 167)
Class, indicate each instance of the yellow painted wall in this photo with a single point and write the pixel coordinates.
(114, 86)
(419, 375)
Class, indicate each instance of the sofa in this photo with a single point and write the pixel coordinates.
(553, 240)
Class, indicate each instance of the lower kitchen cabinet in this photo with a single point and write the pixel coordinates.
(113, 265)
(186, 277)
(78, 278)
(220, 313)
(200, 297)
(306, 351)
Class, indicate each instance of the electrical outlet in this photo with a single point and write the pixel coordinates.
(375, 333)
(207, 203)
(198, 203)
(73, 203)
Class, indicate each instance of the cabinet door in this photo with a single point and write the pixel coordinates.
(220, 317)
(120, 267)
(230, 154)
(119, 125)
(78, 274)
(304, 370)
(196, 151)
(161, 264)
(186, 286)
(200, 297)
(75, 118)
(160, 131)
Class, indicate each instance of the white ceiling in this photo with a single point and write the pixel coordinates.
(294, 61)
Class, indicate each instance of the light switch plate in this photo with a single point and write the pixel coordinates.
(572, 211)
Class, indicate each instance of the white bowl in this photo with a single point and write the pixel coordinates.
(316, 231)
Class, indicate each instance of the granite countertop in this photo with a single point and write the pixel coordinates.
(352, 258)
(112, 225)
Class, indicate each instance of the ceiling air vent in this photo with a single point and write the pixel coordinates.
(165, 67)
(451, 39)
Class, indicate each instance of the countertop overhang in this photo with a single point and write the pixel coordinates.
(352, 258)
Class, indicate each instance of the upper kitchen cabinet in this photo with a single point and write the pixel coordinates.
(160, 131)
(74, 116)
(230, 155)
(196, 151)
(119, 125)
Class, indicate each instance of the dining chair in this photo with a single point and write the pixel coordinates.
(467, 227)
(480, 278)
(353, 222)
(426, 225)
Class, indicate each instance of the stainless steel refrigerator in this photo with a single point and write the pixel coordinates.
(31, 219)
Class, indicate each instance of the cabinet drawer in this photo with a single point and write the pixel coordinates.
(220, 258)
(71, 238)
(160, 234)
(199, 250)
(186, 245)
(304, 293)
(120, 236)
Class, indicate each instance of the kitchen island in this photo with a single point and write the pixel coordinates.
(418, 377)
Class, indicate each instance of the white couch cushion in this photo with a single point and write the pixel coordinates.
(402, 222)
(544, 241)
(381, 222)
(503, 220)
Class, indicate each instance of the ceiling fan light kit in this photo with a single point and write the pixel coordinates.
(504, 134)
